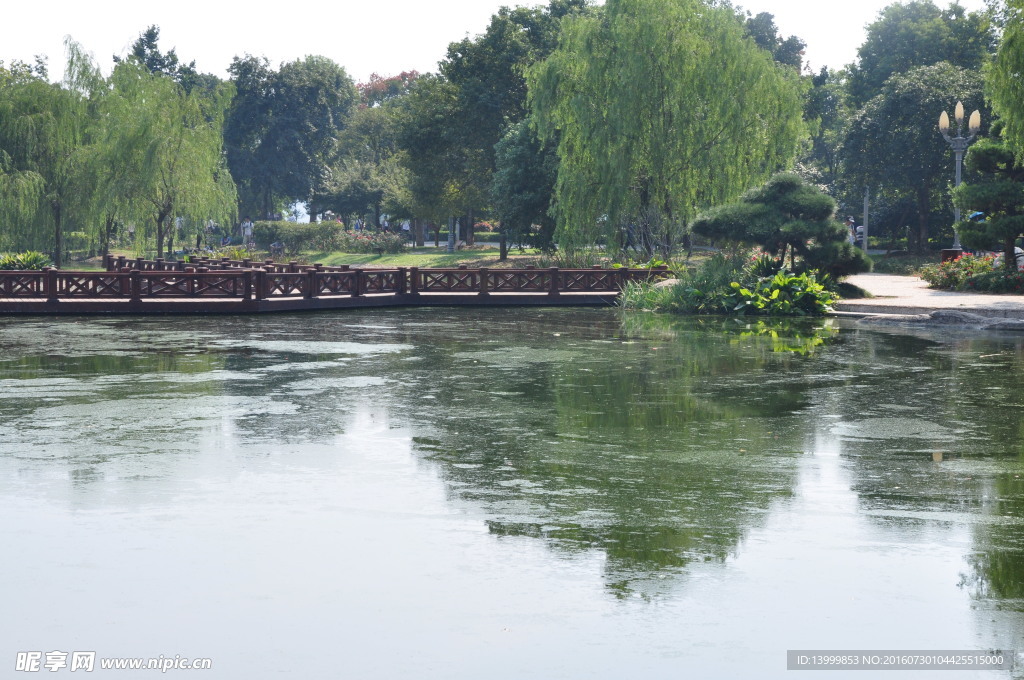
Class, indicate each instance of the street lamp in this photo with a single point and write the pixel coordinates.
(959, 144)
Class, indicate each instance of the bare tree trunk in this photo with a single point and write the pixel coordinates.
(108, 232)
(58, 234)
(1010, 254)
(419, 229)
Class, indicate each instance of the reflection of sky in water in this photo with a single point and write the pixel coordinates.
(476, 494)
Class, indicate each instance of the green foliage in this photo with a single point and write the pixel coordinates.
(371, 242)
(999, 280)
(146, 53)
(658, 107)
(281, 128)
(765, 33)
(918, 33)
(44, 169)
(162, 153)
(997, 190)
(298, 236)
(1004, 85)
(787, 215)
(734, 285)
(954, 274)
(523, 185)
(487, 74)
(903, 264)
(763, 265)
(893, 142)
(29, 259)
(784, 294)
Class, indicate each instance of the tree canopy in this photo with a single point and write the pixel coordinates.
(1005, 77)
(787, 216)
(918, 33)
(281, 128)
(168, 145)
(44, 128)
(997, 190)
(660, 107)
(894, 142)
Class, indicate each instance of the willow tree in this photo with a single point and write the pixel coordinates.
(1004, 79)
(168, 145)
(659, 108)
(43, 179)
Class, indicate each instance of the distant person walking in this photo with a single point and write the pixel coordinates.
(247, 230)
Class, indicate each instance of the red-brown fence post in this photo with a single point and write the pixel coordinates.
(402, 278)
(51, 284)
(357, 283)
(260, 285)
(553, 289)
(247, 284)
(484, 274)
(136, 282)
(414, 281)
(623, 276)
(311, 291)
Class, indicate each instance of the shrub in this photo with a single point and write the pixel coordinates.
(299, 236)
(784, 294)
(953, 275)
(999, 280)
(29, 259)
(733, 285)
(370, 242)
(762, 265)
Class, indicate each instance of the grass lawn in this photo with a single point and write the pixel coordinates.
(476, 256)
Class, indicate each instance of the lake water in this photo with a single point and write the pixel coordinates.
(564, 493)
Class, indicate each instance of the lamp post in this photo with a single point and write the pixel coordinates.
(959, 145)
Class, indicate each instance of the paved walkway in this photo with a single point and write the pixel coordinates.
(910, 295)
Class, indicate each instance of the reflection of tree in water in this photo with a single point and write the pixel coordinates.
(659, 452)
(927, 432)
(997, 566)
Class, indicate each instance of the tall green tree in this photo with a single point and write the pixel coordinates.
(918, 33)
(1004, 82)
(440, 166)
(523, 184)
(146, 52)
(894, 142)
(367, 172)
(281, 129)
(661, 107)
(790, 51)
(20, 187)
(44, 128)
(169, 144)
(827, 116)
(486, 81)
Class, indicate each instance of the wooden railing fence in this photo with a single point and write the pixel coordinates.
(137, 279)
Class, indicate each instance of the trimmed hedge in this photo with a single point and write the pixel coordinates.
(298, 236)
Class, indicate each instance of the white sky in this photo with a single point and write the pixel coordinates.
(364, 36)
